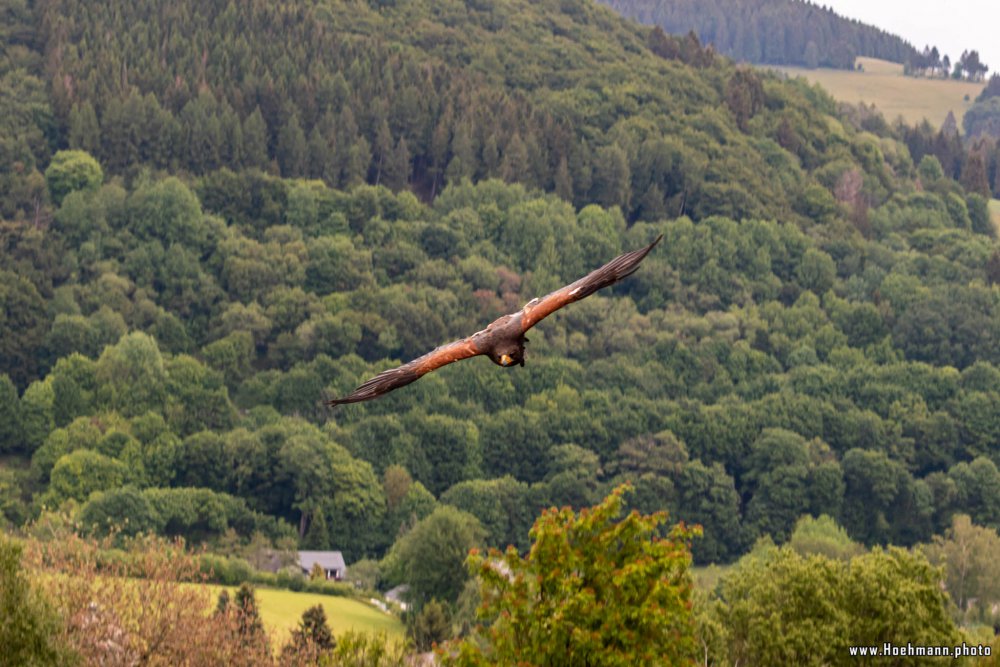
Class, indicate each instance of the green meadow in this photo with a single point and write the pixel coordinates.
(281, 611)
(882, 83)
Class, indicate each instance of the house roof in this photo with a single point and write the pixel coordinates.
(328, 560)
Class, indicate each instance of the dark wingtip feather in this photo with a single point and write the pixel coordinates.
(382, 383)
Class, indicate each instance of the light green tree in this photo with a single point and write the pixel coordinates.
(969, 555)
(780, 608)
(133, 375)
(70, 171)
(77, 474)
(431, 557)
(596, 588)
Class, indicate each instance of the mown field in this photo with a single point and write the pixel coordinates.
(281, 611)
(882, 83)
(995, 213)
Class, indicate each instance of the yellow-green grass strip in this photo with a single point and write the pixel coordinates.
(281, 611)
(883, 84)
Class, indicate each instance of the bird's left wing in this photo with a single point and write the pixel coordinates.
(617, 269)
(394, 378)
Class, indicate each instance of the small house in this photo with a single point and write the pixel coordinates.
(331, 562)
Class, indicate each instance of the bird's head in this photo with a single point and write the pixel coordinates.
(512, 355)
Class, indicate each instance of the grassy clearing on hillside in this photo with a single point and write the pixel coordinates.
(995, 214)
(882, 83)
(281, 611)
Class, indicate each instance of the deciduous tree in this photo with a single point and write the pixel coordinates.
(596, 588)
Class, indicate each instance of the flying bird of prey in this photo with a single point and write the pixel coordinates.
(503, 340)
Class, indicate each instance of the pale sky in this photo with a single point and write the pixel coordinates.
(951, 25)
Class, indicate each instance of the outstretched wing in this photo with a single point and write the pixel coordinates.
(617, 269)
(394, 378)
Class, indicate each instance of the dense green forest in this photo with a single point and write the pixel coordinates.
(983, 118)
(217, 214)
(776, 32)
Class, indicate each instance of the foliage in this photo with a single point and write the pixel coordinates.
(29, 632)
(147, 616)
(311, 640)
(361, 649)
(816, 335)
(360, 118)
(778, 606)
(430, 558)
(967, 553)
(194, 514)
(822, 536)
(70, 171)
(983, 119)
(430, 626)
(596, 588)
(789, 33)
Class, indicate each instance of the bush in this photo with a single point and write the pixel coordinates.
(291, 578)
(334, 588)
(30, 626)
(226, 570)
(116, 613)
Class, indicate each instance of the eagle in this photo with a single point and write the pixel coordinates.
(503, 340)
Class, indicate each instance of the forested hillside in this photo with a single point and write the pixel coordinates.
(776, 32)
(211, 224)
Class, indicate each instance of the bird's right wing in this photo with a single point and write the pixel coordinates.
(394, 378)
(617, 269)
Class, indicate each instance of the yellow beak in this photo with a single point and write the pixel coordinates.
(505, 360)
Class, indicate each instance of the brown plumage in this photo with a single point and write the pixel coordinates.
(503, 340)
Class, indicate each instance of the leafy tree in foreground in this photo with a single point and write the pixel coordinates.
(134, 610)
(29, 627)
(366, 649)
(779, 607)
(595, 589)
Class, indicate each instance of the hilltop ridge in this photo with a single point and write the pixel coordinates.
(772, 32)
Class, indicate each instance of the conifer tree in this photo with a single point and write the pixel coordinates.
(974, 177)
(317, 535)
(515, 160)
(314, 628)
(398, 168)
(222, 603)
(245, 605)
(84, 130)
(463, 155)
(293, 151)
(255, 140)
(563, 182)
(383, 149)
(430, 626)
(10, 418)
